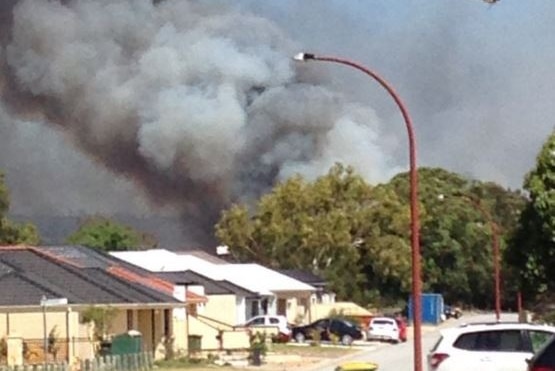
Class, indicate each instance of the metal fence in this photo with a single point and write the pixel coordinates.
(125, 362)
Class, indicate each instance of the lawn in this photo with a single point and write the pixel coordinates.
(279, 358)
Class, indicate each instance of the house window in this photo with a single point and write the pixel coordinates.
(129, 319)
(254, 308)
(265, 306)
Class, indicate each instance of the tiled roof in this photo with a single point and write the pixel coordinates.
(76, 273)
(211, 287)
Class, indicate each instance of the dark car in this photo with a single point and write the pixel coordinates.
(345, 330)
(452, 312)
(544, 358)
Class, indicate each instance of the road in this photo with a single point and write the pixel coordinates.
(400, 357)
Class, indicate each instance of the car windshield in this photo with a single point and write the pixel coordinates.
(347, 323)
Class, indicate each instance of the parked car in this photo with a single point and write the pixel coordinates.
(496, 346)
(345, 330)
(284, 329)
(387, 329)
(452, 312)
(544, 358)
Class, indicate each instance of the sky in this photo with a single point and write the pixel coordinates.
(159, 130)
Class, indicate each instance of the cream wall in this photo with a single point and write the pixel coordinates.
(222, 308)
(232, 339)
(297, 307)
(179, 326)
(31, 326)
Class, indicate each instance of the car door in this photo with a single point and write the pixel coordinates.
(323, 327)
(502, 350)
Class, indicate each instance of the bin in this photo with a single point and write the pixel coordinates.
(128, 343)
(357, 366)
(194, 343)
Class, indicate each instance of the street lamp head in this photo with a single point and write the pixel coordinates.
(303, 57)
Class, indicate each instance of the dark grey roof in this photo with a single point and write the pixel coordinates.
(304, 276)
(211, 286)
(28, 274)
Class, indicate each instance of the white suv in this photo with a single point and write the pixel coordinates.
(284, 330)
(488, 346)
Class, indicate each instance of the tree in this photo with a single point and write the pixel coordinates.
(104, 234)
(337, 226)
(532, 250)
(456, 235)
(14, 233)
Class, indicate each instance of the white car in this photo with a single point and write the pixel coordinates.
(383, 328)
(271, 321)
(496, 346)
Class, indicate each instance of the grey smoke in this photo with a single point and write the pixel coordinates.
(199, 104)
(129, 84)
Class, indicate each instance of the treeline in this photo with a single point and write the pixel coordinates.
(357, 236)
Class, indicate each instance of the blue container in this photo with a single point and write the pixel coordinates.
(432, 308)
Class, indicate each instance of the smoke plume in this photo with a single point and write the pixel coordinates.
(197, 103)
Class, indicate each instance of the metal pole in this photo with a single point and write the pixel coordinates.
(45, 337)
(496, 255)
(496, 270)
(415, 222)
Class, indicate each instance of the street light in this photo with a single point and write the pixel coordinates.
(415, 222)
(495, 245)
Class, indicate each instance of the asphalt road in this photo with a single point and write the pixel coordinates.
(400, 357)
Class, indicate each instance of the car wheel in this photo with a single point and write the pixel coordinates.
(299, 337)
(346, 340)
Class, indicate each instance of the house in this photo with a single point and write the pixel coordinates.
(322, 295)
(274, 293)
(46, 291)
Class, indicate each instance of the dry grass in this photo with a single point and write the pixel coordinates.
(282, 357)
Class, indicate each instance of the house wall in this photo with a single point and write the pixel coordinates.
(30, 327)
(231, 340)
(222, 308)
(297, 307)
(151, 326)
(179, 328)
(119, 323)
(240, 304)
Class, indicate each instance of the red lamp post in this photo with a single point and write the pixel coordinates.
(415, 222)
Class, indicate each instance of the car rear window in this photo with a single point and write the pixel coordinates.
(382, 322)
(539, 338)
(273, 321)
(491, 341)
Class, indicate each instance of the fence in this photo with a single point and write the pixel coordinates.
(125, 362)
